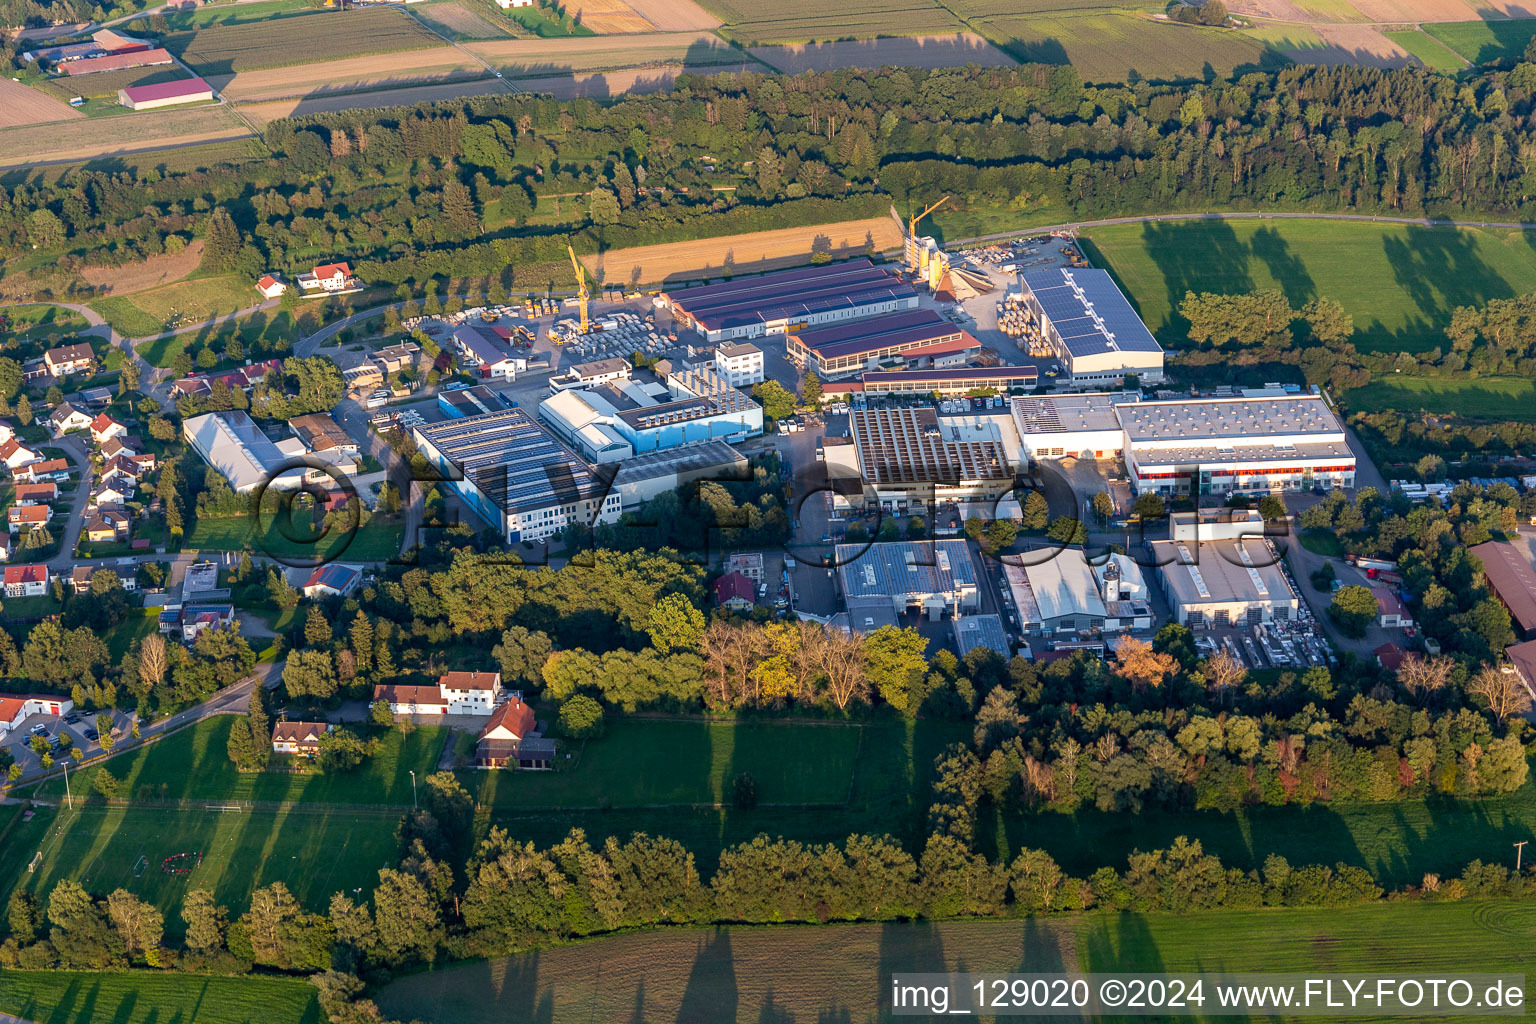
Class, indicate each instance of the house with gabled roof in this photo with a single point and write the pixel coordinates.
(299, 738)
(332, 580)
(46, 469)
(68, 359)
(36, 494)
(470, 693)
(104, 428)
(412, 700)
(15, 454)
(734, 591)
(270, 287)
(67, 418)
(27, 517)
(26, 580)
(329, 277)
(512, 739)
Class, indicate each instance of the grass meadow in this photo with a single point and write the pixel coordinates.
(1493, 398)
(377, 540)
(1484, 41)
(840, 972)
(1431, 52)
(1400, 281)
(156, 997)
(156, 310)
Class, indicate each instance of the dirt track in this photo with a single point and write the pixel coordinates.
(945, 51)
(379, 71)
(150, 273)
(88, 139)
(20, 105)
(763, 250)
(675, 15)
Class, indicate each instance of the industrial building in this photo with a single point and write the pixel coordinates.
(929, 577)
(907, 460)
(516, 475)
(590, 375)
(233, 444)
(470, 401)
(960, 380)
(488, 351)
(1054, 591)
(1225, 445)
(913, 337)
(649, 411)
(644, 477)
(1206, 525)
(1224, 583)
(772, 303)
(1069, 426)
(1513, 581)
(738, 362)
(973, 631)
(1090, 326)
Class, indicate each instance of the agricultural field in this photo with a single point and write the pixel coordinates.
(284, 42)
(237, 14)
(839, 972)
(946, 51)
(1405, 12)
(145, 274)
(1492, 398)
(273, 109)
(805, 21)
(1400, 281)
(21, 105)
(1431, 52)
(1357, 45)
(535, 58)
(607, 17)
(750, 253)
(459, 20)
(150, 997)
(138, 132)
(435, 65)
(104, 84)
(167, 161)
(150, 312)
(1484, 41)
(675, 15)
(1111, 46)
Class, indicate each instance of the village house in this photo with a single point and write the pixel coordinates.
(81, 575)
(332, 580)
(69, 359)
(270, 287)
(511, 739)
(300, 738)
(121, 468)
(470, 693)
(15, 454)
(107, 525)
(104, 428)
(114, 493)
(23, 518)
(114, 447)
(328, 277)
(734, 591)
(7, 432)
(194, 620)
(412, 700)
(47, 469)
(6, 546)
(26, 580)
(67, 418)
(36, 494)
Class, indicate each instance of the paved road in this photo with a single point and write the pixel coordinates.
(74, 449)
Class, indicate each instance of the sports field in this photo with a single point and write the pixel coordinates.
(156, 997)
(841, 972)
(1400, 282)
(284, 42)
(1107, 46)
(1483, 41)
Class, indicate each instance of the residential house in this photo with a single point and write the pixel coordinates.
(1391, 614)
(332, 580)
(66, 418)
(113, 493)
(145, 461)
(15, 454)
(116, 446)
(17, 707)
(47, 469)
(243, 377)
(327, 277)
(69, 359)
(26, 580)
(23, 518)
(104, 428)
(6, 546)
(81, 575)
(36, 494)
(270, 287)
(511, 739)
(300, 738)
(470, 693)
(412, 700)
(1389, 656)
(734, 591)
(123, 469)
(194, 620)
(394, 358)
(7, 432)
(321, 433)
(107, 525)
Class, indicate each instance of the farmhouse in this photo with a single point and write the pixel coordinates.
(300, 738)
(512, 739)
(26, 580)
(412, 700)
(1091, 326)
(1234, 583)
(789, 299)
(1513, 582)
(69, 359)
(165, 94)
(327, 277)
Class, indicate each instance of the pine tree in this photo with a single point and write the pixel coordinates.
(24, 411)
(221, 241)
(317, 629)
(362, 641)
(810, 392)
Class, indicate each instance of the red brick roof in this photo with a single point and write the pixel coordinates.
(514, 716)
(469, 680)
(733, 585)
(26, 574)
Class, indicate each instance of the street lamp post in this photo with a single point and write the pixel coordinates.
(67, 796)
(413, 789)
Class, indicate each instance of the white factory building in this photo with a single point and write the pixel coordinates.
(1071, 426)
(908, 459)
(1091, 326)
(1226, 445)
(1221, 583)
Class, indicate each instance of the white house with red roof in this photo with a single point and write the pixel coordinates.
(26, 580)
(327, 277)
(15, 454)
(27, 517)
(470, 693)
(45, 469)
(734, 591)
(270, 287)
(104, 428)
(16, 707)
(302, 738)
(511, 739)
(412, 700)
(332, 580)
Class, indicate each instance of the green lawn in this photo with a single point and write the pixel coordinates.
(121, 636)
(259, 332)
(1494, 398)
(1483, 41)
(378, 540)
(194, 765)
(182, 302)
(1400, 282)
(40, 322)
(314, 852)
(1430, 51)
(1322, 542)
(156, 997)
(1396, 842)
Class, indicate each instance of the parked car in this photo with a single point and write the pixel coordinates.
(39, 730)
(92, 735)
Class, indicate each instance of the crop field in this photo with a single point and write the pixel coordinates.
(840, 972)
(805, 21)
(1358, 45)
(675, 15)
(946, 51)
(353, 74)
(104, 84)
(238, 14)
(21, 105)
(750, 253)
(1483, 41)
(229, 49)
(313, 852)
(271, 110)
(1492, 398)
(459, 21)
(1431, 52)
(1108, 46)
(145, 274)
(1400, 281)
(536, 58)
(95, 138)
(150, 997)
(607, 17)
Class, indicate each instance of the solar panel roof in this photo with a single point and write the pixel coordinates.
(1089, 312)
(909, 327)
(786, 294)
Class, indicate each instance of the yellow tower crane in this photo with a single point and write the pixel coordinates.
(581, 288)
(912, 232)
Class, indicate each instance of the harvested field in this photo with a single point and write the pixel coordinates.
(1353, 45)
(150, 273)
(947, 51)
(608, 17)
(1013, 8)
(636, 81)
(1419, 10)
(354, 74)
(1109, 46)
(457, 21)
(762, 250)
(115, 136)
(303, 39)
(536, 58)
(675, 15)
(1298, 10)
(20, 105)
(271, 111)
(106, 83)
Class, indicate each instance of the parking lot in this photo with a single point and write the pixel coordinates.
(79, 726)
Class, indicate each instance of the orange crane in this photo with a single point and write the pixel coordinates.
(581, 288)
(912, 224)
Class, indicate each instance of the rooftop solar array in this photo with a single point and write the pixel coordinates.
(905, 569)
(975, 631)
(908, 446)
(513, 461)
(1088, 312)
(895, 330)
(787, 294)
(1304, 417)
